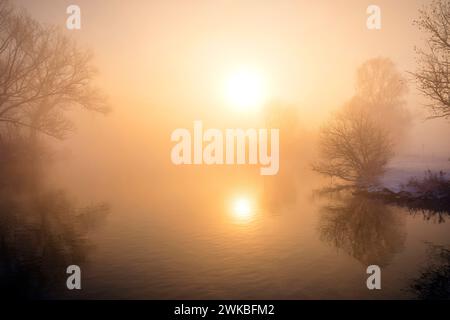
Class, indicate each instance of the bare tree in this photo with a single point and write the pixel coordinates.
(381, 89)
(353, 146)
(356, 144)
(379, 83)
(43, 74)
(432, 74)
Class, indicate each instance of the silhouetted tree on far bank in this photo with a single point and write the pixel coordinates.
(43, 74)
(357, 142)
(433, 72)
(353, 147)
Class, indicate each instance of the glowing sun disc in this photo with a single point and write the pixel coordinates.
(246, 90)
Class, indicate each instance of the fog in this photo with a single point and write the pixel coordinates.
(162, 69)
(164, 64)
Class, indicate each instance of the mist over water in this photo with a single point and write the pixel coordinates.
(176, 232)
(293, 244)
(109, 199)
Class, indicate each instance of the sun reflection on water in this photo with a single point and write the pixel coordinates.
(243, 210)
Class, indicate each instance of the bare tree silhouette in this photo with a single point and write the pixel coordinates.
(353, 147)
(356, 144)
(432, 74)
(43, 74)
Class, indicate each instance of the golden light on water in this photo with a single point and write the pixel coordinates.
(246, 89)
(243, 209)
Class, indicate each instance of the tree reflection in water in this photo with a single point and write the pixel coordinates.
(434, 279)
(40, 236)
(366, 229)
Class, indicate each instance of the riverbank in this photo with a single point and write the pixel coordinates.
(421, 183)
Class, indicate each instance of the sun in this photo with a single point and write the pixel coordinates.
(246, 89)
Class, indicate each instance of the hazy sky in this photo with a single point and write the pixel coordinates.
(164, 63)
(171, 51)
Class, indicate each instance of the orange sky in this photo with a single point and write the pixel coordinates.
(173, 52)
(165, 62)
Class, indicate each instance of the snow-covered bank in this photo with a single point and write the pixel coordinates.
(421, 184)
(402, 169)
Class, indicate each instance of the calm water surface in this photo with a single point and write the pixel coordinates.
(287, 242)
(216, 235)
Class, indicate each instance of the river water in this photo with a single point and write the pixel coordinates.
(259, 240)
